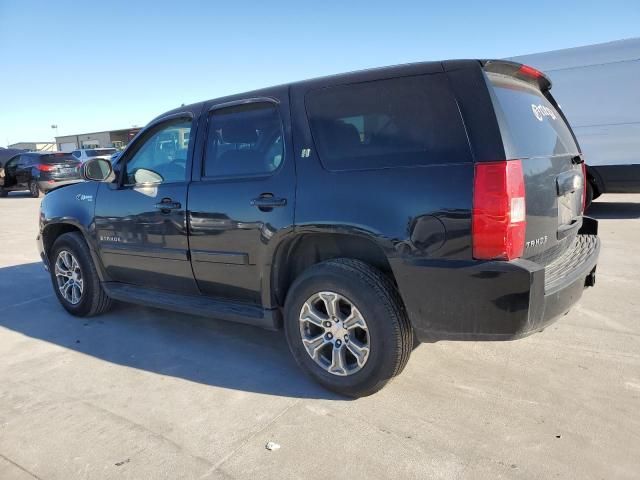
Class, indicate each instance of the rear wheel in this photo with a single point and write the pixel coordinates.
(3, 193)
(346, 327)
(589, 195)
(74, 277)
(34, 190)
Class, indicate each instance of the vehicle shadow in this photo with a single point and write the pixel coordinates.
(18, 194)
(614, 210)
(197, 349)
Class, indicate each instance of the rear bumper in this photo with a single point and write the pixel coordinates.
(50, 184)
(496, 300)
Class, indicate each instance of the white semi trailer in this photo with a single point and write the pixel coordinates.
(598, 88)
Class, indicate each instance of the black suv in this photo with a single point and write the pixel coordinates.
(39, 172)
(363, 212)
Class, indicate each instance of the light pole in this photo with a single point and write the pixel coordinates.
(55, 127)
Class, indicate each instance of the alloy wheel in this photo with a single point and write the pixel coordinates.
(334, 333)
(69, 277)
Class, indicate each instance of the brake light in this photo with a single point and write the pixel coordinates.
(584, 187)
(499, 211)
(530, 71)
(43, 167)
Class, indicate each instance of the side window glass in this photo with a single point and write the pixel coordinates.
(397, 122)
(76, 154)
(162, 158)
(244, 140)
(13, 162)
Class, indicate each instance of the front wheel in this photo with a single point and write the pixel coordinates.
(74, 277)
(346, 327)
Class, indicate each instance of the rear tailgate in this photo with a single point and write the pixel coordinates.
(535, 131)
(61, 166)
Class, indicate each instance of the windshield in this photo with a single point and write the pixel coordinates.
(530, 124)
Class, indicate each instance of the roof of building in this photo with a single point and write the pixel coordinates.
(101, 131)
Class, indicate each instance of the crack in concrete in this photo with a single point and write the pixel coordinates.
(20, 467)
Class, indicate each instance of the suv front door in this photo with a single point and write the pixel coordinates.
(10, 169)
(242, 199)
(141, 219)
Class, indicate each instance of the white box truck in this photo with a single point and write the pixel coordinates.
(598, 88)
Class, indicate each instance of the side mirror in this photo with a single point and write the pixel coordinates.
(98, 170)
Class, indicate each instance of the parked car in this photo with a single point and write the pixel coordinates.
(362, 212)
(39, 172)
(85, 154)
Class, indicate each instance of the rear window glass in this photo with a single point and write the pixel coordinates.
(100, 152)
(387, 123)
(244, 140)
(57, 158)
(530, 124)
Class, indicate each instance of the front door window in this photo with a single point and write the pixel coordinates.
(163, 156)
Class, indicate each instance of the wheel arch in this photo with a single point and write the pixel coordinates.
(52, 231)
(304, 249)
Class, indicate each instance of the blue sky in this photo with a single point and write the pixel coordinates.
(89, 66)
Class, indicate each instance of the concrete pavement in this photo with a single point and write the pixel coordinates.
(141, 393)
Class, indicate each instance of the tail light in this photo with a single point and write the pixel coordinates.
(43, 167)
(499, 211)
(584, 187)
(530, 71)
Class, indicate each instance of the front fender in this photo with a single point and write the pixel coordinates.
(67, 209)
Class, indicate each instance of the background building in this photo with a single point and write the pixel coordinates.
(111, 138)
(34, 146)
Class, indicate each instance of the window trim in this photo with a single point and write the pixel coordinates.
(234, 103)
(142, 138)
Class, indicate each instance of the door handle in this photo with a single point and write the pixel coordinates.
(267, 202)
(167, 204)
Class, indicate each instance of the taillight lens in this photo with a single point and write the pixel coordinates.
(499, 211)
(43, 167)
(530, 71)
(584, 187)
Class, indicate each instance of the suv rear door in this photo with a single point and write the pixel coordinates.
(241, 200)
(57, 166)
(535, 131)
(510, 114)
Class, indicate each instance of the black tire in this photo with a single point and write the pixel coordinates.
(93, 300)
(3, 193)
(34, 190)
(377, 299)
(589, 196)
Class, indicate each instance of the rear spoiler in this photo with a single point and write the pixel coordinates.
(519, 71)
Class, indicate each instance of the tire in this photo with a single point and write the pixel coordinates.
(589, 196)
(34, 190)
(388, 335)
(3, 193)
(92, 299)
